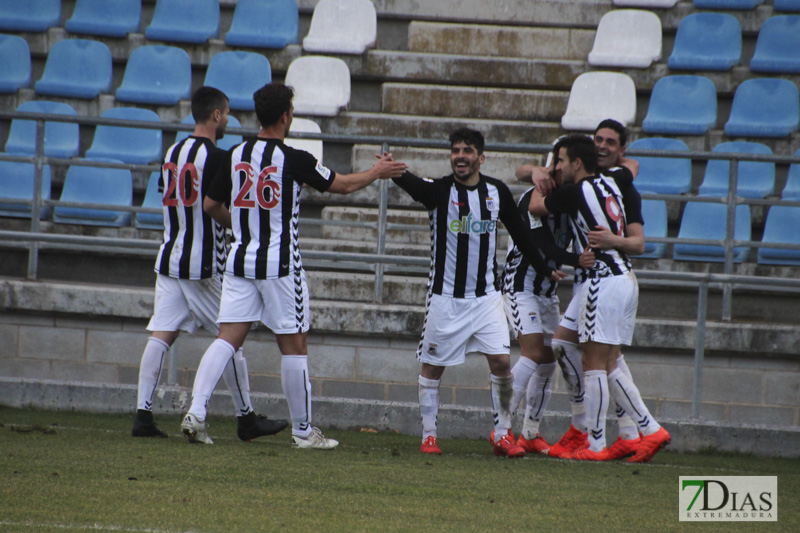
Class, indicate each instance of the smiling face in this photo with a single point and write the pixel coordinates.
(465, 161)
(609, 148)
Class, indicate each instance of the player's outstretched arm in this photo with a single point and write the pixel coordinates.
(217, 211)
(603, 239)
(536, 205)
(384, 168)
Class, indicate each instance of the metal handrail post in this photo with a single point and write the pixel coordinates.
(699, 347)
(383, 207)
(730, 233)
(36, 206)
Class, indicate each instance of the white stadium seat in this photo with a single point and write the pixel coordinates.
(599, 95)
(321, 85)
(311, 146)
(627, 38)
(342, 27)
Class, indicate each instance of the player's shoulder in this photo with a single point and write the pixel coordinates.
(621, 174)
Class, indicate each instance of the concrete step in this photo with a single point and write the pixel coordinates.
(477, 102)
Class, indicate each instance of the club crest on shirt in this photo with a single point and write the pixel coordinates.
(323, 171)
(490, 203)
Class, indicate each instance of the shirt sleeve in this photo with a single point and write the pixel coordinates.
(523, 238)
(219, 189)
(304, 168)
(422, 190)
(216, 159)
(562, 199)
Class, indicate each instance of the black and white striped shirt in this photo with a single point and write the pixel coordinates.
(464, 232)
(553, 236)
(262, 180)
(193, 245)
(608, 199)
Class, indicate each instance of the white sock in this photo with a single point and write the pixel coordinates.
(297, 388)
(238, 383)
(522, 372)
(568, 356)
(428, 405)
(538, 396)
(502, 390)
(627, 396)
(596, 407)
(150, 372)
(212, 365)
(627, 427)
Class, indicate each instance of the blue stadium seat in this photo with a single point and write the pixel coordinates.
(226, 143)
(682, 105)
(15, 56)
(251, 17)
(754, 179)
(29, 15)
(709, 221)
(152, 198)
(663, 175)
(108, 18)
(778, 46)
(707, 41)
(764, 107)
(727, 4)
(16, 181)
(61, 139)
(96, 185)
(76, 68)
(655, 225)
(781, 227)
(127, 144)
(238, 75)
(786, 5)
(158, 75)
(791, 191)
(184, 21)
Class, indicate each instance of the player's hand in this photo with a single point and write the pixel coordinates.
(602, 238)
(557, 276)
(387, 168)
(586, 259)
(542, 180)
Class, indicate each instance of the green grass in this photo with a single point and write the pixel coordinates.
(76, 472)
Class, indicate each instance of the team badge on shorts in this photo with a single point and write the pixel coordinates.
(490, 203)
(534, 318)
(432, 348)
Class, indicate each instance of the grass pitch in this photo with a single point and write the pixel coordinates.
(83, 472)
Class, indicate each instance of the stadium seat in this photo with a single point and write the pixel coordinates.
(184, 21)
(652, 4)
(599, 95)
(226, 143)
(627, 38)
(76, 68)
(781, 227)
(655, 225)
(707, 41)
(96, 185)
(786, 5)
(239, 75)
(107, 18)
(778, 46)
(309, 145)
(791, 191)
(29, 15)
(158, 75)
(727, 4)
(764, 107)
(709, 221)
(754, 179)
(662, 175)
(16, 181)
(61, 139)
(342, 27)
(15, 56)
(321, 85)
(124, 143)
(251, 17)
(152, 198)
(682, 105)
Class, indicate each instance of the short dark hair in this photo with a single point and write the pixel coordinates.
(581, 147)
(205, 101)
(271, 101)
(612, 124)
(467, 136)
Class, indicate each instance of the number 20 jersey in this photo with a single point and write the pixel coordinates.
(262, 180)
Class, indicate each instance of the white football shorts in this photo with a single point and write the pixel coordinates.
(608, 311)
(455, 327)
(573, 312)
(280, 304)
(186, 304)
(528, 313)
